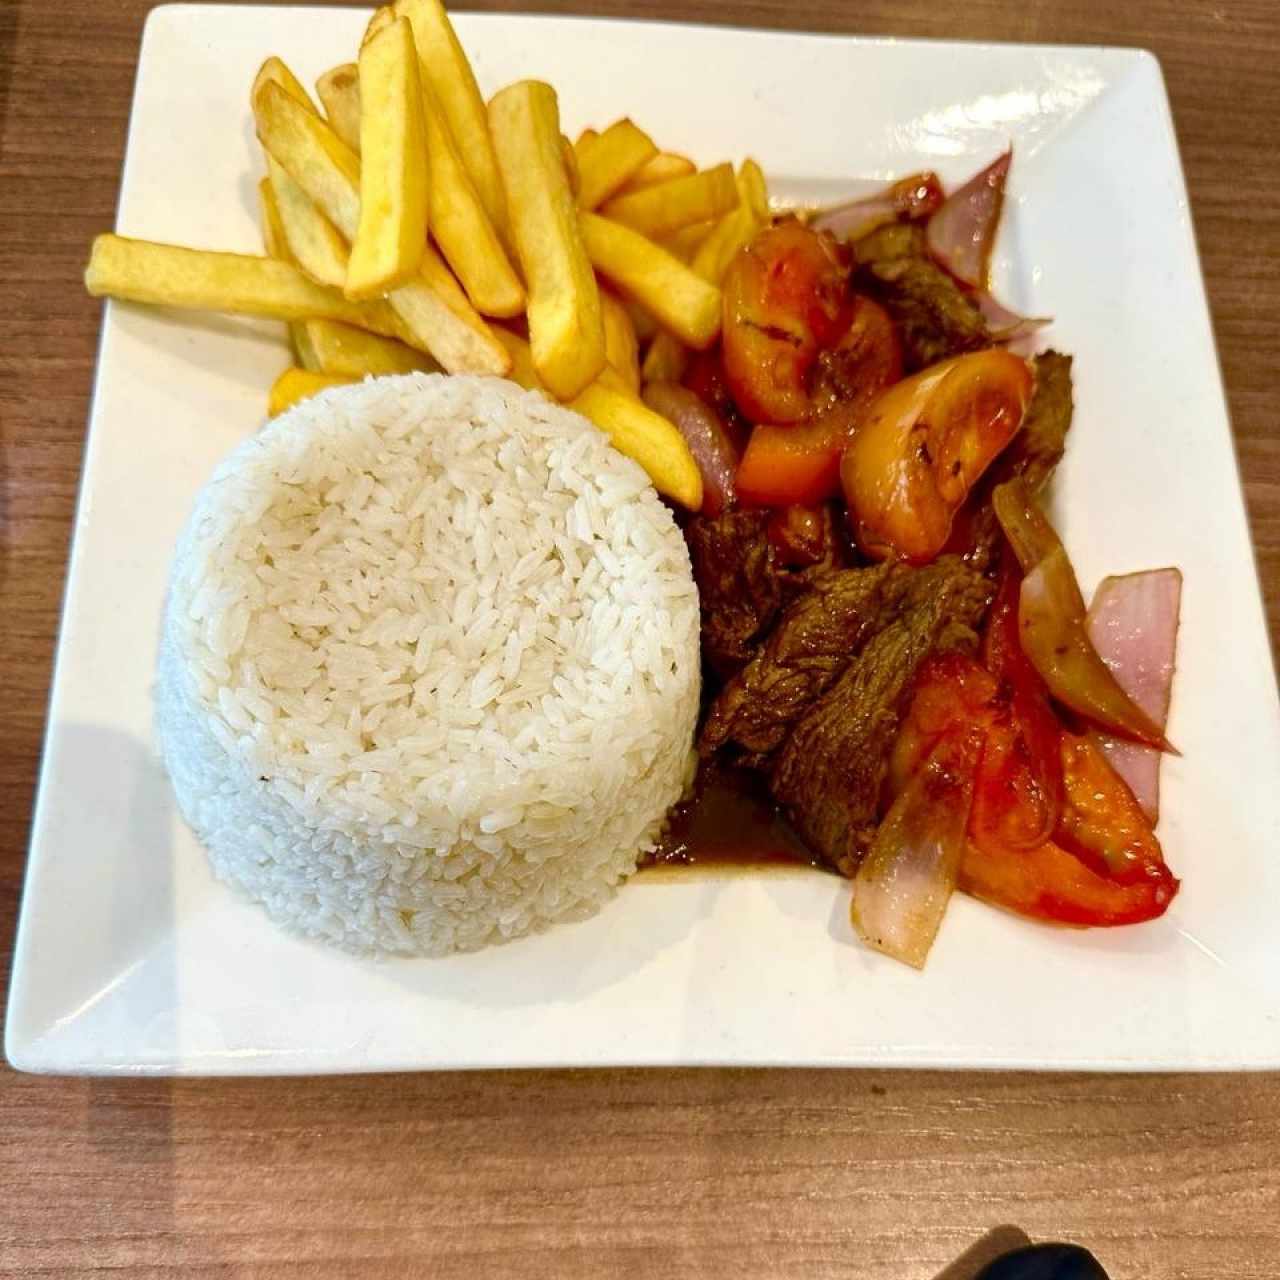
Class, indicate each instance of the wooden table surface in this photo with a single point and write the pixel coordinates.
(628, 1173)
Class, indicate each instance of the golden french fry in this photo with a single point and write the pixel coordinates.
(652, 440)
(632, 427)
(429, 312)
(736, 229)
(295, 385)
(454, 85)
(311, 154)
(667, 206)
(275, 71)
(571, 172)
(315, 244)
(274, 240)
(666, 359)
(585, 138)
(339, 93)
(607, 161)
(642, 321)
(303, 348)
(349, 352)
(662, 168)
(753, 189)
(684, 243)
(393, 166)
(461, 227)
(621, 347)
(172, 276)
(277, 246)
(565, 327)
(381, 17)
(680, 300)
(435, 315)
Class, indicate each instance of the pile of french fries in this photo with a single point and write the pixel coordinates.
(409, 225)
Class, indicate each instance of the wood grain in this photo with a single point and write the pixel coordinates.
(542, 1174)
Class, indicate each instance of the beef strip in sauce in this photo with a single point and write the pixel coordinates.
(829, 773)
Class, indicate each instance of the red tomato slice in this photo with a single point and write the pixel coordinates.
(786, 297)
(1048, 883)
(923, 443)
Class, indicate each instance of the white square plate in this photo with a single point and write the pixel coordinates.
(132, 959)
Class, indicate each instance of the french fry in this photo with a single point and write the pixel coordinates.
(315, 244)
(312, 155)
(680, 300)
(642, 321)
(296, 385)
(393, 166)
(454, 85)
(461, 227)
(172, 276)
(605, 162)
(382, 16)
(339, 93)
(621, 347)
(430, 312)
(735, 229)
(277, 246)
(275, 71)
(662, 168)
(436, 316)
(667, 206)
(632, 427)
(585, 139)
(571, 171)
(565, 328)
(754, 190)
(684, 243)
(346, 351)
(665, 360)
(652, 440)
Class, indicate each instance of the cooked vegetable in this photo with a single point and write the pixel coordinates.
(962, 232)
(680, 300)
(923, 443)
(1018, 799)
(315, 244)
(665, 207)
(785, 299)
(1133, 623)
(392, 229)
(274, 71)
(621, 346)
(346, 351)
(661, 168)
(902, 888)
(565, 328)
(1053, 625)
(1101, 821)
(712, 449)
(606, 160)
(910, 199)
(797, 464)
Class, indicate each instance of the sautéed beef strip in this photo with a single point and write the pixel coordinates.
(934, 316)
(813, 642)
(830, 771)
(743, 583)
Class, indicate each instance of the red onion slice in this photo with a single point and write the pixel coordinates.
(902, 888)
(912, 198)
(1005, 325)
(961, 234)
(1133, 623)
(706, 437)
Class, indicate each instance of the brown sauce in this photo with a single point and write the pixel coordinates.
(729, 822)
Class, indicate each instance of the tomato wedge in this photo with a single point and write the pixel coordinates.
(923, 443)
(1048, 883)
(786, 297)
(1018, 798)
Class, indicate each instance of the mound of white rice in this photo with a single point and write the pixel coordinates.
(429, 669)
